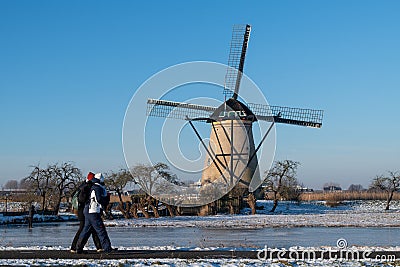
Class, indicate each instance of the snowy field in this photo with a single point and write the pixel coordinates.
(390, 219)
(288, 214)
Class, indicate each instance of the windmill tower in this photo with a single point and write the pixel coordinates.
(231, 159)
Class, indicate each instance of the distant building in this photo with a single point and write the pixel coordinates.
(5, 192)
(133, 192)
(332, 188)
(304, 189)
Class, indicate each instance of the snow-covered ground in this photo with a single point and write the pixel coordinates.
(306, 214)
(37, 218)
(192, 262)
(262, 221)
(320, 207)
(261, 261)
(288, 214)
(211, 262)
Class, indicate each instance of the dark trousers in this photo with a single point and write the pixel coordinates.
(93, 221)
(96, 239)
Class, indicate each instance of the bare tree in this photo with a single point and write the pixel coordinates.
(251, 201)
(117, 181)
(280, 179)
(355, 188)
(53, 183)
(25, 183)
(152, 179)
(41, 182)
(388, 184)
(30, 195)
(65, 179)
(11, 184)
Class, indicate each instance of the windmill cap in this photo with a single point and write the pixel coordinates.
(233, 108)
(90, 176)
(99, 176)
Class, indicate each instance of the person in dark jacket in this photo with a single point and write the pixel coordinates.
(30, 216)
(98, 200)
(83, 198)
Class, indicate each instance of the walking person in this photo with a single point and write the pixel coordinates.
(30, 216)
(84, 192)
(93, 209)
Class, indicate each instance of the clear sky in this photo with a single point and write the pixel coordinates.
(69, 68)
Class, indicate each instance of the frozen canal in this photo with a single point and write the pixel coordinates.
(61, 234)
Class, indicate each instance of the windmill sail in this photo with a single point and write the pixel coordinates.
(178, 110)
(296, 116)
(237, 54)
(285, 115)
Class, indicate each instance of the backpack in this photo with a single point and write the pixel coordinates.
(80, 196)
(75, 199)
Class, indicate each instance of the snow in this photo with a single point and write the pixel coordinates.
(262, 221)
(163, 248)
(190, 262)
(37, 218)
(288, 214)
(200, 262)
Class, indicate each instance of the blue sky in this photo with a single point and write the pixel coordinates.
(68, 70)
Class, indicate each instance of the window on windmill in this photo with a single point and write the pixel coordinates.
(232, 114)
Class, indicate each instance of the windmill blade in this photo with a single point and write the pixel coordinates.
(237, 54)
(178, 110)
(296, 116)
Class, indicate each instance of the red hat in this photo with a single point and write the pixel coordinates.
(90, 176)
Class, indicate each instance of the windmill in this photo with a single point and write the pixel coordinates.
(231, 159)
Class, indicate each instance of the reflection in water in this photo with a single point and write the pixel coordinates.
(61, 234)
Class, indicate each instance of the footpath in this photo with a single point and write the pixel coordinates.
(203, 254)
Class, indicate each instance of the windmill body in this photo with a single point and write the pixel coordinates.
(232, 143)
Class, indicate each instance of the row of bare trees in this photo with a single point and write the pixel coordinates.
(282, 182)
(55, 182)
(52, 183)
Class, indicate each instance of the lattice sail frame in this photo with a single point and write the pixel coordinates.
(286, 115)
(177, 110)
(237, 52)
(298, 116)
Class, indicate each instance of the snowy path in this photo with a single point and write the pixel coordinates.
(291, 257)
